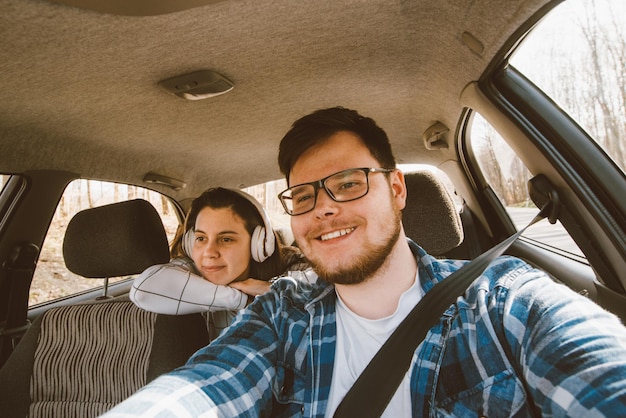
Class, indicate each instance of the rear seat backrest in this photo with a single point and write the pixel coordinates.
(81, 360)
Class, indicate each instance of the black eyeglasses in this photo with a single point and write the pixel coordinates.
(344, 186)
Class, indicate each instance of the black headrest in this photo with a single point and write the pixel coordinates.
(430, 217)
(119, 239)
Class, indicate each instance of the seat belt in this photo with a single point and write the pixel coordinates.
(467, 218)
(17, 276)
(377, 384)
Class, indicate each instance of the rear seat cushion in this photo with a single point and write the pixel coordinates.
(81, 360)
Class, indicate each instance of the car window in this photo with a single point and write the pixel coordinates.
(52, 280)
(508, 177)
(576, 55)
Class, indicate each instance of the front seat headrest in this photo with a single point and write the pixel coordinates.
(430, 217)
(120, 239)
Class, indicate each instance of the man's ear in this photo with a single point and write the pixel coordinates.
(398, 187)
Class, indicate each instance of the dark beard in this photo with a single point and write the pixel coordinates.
(366, 266)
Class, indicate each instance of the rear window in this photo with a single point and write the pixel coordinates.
(52, 280)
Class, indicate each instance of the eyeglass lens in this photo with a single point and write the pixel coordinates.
(342, 187)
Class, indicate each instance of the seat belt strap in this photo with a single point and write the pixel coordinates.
(18, 273)
(377, 384)
(467, 218)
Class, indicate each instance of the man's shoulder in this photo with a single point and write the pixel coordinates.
(503, 275)
(301, 286)
(291, 302)
(302, 274)
(502, 272)
(502, 269)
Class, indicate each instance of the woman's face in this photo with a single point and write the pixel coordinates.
(221, 247)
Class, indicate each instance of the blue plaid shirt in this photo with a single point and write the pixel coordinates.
(515, 341)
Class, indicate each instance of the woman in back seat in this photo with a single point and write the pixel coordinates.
(227, 254)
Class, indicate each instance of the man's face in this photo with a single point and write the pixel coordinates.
(347, 242)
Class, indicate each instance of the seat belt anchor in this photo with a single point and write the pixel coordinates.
(545, 196)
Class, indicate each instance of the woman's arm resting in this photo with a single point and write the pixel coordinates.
(174, 289)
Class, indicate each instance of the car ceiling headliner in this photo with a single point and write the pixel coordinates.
(78, 88)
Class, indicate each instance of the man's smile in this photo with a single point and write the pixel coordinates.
(336, 234)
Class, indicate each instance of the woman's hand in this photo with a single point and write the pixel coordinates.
(252, 287)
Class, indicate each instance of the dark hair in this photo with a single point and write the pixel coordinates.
(321, 124)
(221, 198)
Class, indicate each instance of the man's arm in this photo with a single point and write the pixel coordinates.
(572, 353)
(230, 377)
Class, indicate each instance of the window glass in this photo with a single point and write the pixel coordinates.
(52, 280)
(577, 56)
(508, 177)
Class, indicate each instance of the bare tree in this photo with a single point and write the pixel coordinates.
(165, 205)
(605, 39)
(90, 200)
(586, 78)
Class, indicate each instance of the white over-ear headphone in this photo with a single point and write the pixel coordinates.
(262, 243)
(187, 241)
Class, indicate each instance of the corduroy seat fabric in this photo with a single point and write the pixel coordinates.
(430, 217)
(80, 360)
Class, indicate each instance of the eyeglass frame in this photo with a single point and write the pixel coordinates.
(321, 184)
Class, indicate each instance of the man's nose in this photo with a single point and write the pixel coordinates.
(325, 205)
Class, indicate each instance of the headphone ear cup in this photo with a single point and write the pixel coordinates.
(187, 242)
(262, 245)
(257, 245)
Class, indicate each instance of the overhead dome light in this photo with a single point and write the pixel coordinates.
(197, 85)
(136, 7)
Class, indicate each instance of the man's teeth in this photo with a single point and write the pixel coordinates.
(336, 234)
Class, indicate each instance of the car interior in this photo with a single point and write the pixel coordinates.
(107, 349)
(71, 343)
(114, 116)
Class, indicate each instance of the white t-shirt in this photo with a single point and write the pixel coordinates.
(358, 340)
